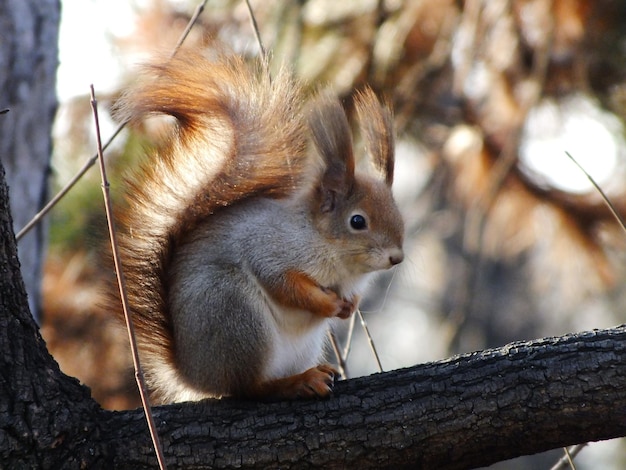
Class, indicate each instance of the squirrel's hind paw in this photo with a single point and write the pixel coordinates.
(316, 382)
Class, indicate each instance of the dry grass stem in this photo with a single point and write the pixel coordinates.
(341, 360)
(143, 392)
(192, 21)
(567, 461)
(605, 198)
(257, 34)
(370, 340)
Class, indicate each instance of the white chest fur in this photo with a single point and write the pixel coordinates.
(298, 340)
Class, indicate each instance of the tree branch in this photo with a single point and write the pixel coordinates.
(468, 411)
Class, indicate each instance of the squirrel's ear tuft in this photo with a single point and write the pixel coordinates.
(333, 139)
(376, 123)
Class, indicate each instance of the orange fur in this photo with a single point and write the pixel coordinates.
(223, 109)
(239, 243)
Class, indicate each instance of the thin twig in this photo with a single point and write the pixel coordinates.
(342, 355)
(369, 339)
(341, 361)
(69, 185)
(567, 461)
(569, 458)
(53, 202)
(599, 189)
(192, 21)
(257, 33)
(122, 287)
(348, 346)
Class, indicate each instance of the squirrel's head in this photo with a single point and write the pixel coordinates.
(354, 211)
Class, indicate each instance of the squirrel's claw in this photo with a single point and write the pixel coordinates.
(317, 382)
(343, 307)
(348, 307)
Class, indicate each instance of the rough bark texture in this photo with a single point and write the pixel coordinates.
(464, 412)
(28, 63)
(43, 413)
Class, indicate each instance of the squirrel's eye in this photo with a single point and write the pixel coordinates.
(358, 222)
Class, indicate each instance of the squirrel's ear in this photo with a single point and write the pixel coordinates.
(332, 137)
(376, 123)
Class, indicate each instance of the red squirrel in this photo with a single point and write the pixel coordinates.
(249, 230)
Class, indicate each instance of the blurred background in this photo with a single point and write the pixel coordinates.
(506, 238)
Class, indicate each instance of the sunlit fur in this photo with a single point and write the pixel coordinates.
(234, 207)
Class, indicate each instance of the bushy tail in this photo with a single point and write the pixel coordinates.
(238, 134)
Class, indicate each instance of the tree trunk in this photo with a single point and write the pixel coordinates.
(464, 412)
(28, 63)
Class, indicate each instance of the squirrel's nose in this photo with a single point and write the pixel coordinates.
(396, 257)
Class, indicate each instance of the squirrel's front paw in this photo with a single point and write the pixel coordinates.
(343, 307)
(347, 308)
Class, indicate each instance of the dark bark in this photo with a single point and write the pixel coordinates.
(42, 411)
(464, 412)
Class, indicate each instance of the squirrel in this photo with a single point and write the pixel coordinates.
(249, 230)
